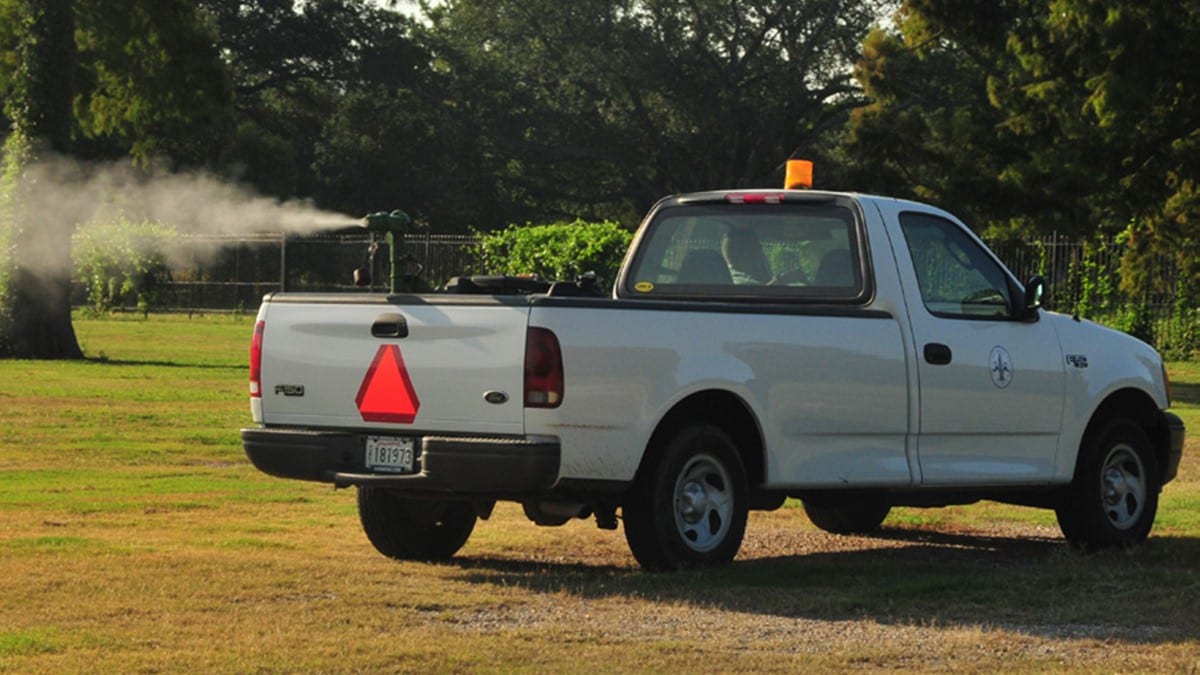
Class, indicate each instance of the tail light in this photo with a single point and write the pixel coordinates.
(543, 369)
(256, 360)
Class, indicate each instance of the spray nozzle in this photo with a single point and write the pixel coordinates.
(387, 222)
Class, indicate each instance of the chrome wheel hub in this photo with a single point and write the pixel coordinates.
(703, 500)
(1123, 487)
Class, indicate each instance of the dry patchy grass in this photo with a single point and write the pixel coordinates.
(137, 539)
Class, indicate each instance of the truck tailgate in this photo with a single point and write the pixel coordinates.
(409, 363)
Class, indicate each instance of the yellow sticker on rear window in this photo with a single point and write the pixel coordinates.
(643, 287)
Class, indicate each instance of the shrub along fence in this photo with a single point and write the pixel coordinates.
(1084, 279)
(206, 273)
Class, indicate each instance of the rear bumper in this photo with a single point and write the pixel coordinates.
(445, 464)
(1174, 440)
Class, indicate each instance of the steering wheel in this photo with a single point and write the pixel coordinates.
(985, 296)
(789, 278)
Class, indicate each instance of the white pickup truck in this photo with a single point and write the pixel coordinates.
(855, 352)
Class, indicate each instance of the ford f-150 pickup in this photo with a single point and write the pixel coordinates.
(855, 352)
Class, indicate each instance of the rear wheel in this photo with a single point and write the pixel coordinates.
(860, 517)
(414, 529)
(1113, 499)
(688, 507)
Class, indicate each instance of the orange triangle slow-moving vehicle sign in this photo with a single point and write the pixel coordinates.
(386, 393)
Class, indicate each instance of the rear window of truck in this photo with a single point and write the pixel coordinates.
(781, 252)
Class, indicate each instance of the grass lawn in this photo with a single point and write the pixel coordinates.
(135, 536)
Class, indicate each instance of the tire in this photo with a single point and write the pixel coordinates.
(860, 517)
(1113, 498)
(689, 504)
(414, 529)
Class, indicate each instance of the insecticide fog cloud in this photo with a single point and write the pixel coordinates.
(61, 193)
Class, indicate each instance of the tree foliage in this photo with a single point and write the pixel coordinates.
(292, 64)
(607, 105)
(1073, 116)
(139, 78)
(152, 84)
(929, 129)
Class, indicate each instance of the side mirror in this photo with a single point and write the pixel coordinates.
(1035, 292)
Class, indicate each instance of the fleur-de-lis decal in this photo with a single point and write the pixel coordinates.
(1001, 367)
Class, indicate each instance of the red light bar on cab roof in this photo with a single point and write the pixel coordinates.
(799, 177)
(755, 197)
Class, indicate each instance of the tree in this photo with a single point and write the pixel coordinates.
(151, 83)
(391, 148)
(1119, 81)
(600, 107)
(929, 131)
(1075, 116)
(134, 78)
(292, 64)
(1081, 114)
(37, 321)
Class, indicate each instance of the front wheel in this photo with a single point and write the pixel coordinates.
(1114, 497)
(689, 505)
(414, 529)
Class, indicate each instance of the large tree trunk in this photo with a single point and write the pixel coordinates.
(39, 313)
(41, 317)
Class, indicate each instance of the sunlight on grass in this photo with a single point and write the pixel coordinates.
(136, 536)
(29, 642)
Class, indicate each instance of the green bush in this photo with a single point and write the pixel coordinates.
(1182, 336)
(1136, 320)
(123, 262)
(559, 251)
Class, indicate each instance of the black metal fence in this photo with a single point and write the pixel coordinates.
(234, 272)
(1085, 278)
(218, 272)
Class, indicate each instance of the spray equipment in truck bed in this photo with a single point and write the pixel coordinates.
(393, 225)
(523, 284)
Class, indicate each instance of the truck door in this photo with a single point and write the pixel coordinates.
(991, 385)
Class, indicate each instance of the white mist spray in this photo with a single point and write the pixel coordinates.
(59, 192)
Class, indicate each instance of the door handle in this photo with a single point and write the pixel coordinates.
(390, 326)
(937, 354)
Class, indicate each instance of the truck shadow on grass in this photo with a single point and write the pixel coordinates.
(1040, 587)
(162, 363)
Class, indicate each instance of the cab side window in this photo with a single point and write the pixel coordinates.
(957, 278)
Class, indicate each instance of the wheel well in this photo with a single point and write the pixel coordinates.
(1136, 406)
(725, 410)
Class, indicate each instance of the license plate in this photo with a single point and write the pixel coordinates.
(391, 454)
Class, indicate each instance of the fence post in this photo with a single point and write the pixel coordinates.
(283, 261)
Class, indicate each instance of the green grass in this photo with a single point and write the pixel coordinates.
(135, 536)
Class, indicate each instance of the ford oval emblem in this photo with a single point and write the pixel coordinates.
(495, 397)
